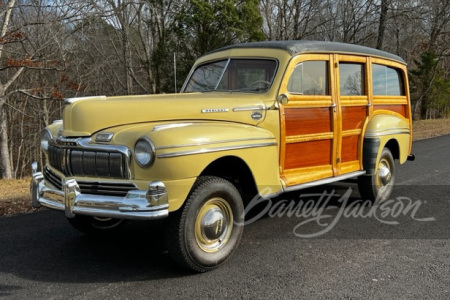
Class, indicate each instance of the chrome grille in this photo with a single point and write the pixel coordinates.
(106, 188)
(78, 162)
(118, 189)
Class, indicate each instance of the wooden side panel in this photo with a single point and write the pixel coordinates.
(353, 117)
(400, 109)
(307, 120)
(350, 148)
(308, 154)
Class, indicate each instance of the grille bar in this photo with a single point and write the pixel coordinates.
(106, 188)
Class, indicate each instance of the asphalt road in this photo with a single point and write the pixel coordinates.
(345, 250)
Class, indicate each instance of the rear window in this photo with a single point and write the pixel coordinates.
(387, 81)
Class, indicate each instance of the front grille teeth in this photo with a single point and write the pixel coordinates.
(118, 189)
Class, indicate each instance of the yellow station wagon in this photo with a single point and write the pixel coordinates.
(251, 119)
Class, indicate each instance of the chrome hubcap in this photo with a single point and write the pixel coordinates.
(384, 174)
(213, 225)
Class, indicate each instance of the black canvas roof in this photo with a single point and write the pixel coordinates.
(296, 47)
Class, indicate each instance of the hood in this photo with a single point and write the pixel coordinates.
(85, 116)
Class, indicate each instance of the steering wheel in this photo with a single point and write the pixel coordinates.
(257, 82)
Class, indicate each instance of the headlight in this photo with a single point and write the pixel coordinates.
(144, 152)
(45, 138)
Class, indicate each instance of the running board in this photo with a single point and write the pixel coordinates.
(322, 181)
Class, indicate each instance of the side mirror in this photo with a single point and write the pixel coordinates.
(283, 99)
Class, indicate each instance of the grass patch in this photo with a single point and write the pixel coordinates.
(425, 129)
(15, 197)
(15, 194)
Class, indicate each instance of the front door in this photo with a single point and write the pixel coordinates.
(309, 122)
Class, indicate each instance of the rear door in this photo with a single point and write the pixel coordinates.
(352, 74)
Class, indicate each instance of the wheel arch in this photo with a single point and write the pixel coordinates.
(385, 130)
(235, 170)
(393, 146)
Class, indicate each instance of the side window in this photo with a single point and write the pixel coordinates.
(387, 81)
(351, 79)
(309, 78)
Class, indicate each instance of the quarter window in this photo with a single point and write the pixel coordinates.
(351, 79)
(309, 78)
(387, 81)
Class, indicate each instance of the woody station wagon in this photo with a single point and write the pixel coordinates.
(251, 119)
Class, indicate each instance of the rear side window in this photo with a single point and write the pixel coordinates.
(387, 81)
(351, 79)
(309, 78)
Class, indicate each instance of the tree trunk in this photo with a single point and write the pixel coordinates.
(382, 25)
(5, 162)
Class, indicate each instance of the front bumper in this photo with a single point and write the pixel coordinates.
(136, 205)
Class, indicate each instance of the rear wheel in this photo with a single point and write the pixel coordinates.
(208, 228)
(95, 225)
(378, 187)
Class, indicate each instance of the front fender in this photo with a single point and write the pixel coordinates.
(185, 149)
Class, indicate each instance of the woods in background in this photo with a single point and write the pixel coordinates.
(54, 49)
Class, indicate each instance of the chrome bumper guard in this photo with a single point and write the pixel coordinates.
(136, 205)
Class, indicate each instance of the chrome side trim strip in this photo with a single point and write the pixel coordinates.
(323, 181)
(212, 143)
(73, 100)
(169, 126)
(217, 149)
(386, 132)
(249, 108)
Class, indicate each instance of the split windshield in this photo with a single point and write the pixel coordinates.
(233, 75)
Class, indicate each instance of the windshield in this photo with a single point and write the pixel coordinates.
(240, 75)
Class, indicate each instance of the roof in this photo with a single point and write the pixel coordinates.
(302, 46)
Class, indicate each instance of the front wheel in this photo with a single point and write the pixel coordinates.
(208, 228)
(378, 187)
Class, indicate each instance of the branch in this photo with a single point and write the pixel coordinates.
(13, 78)
(22, 112)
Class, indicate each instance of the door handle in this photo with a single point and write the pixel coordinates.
(333, 106)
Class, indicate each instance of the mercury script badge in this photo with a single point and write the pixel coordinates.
(214, 110)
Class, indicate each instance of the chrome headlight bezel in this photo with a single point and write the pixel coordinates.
(144, 152)
(46, 137)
